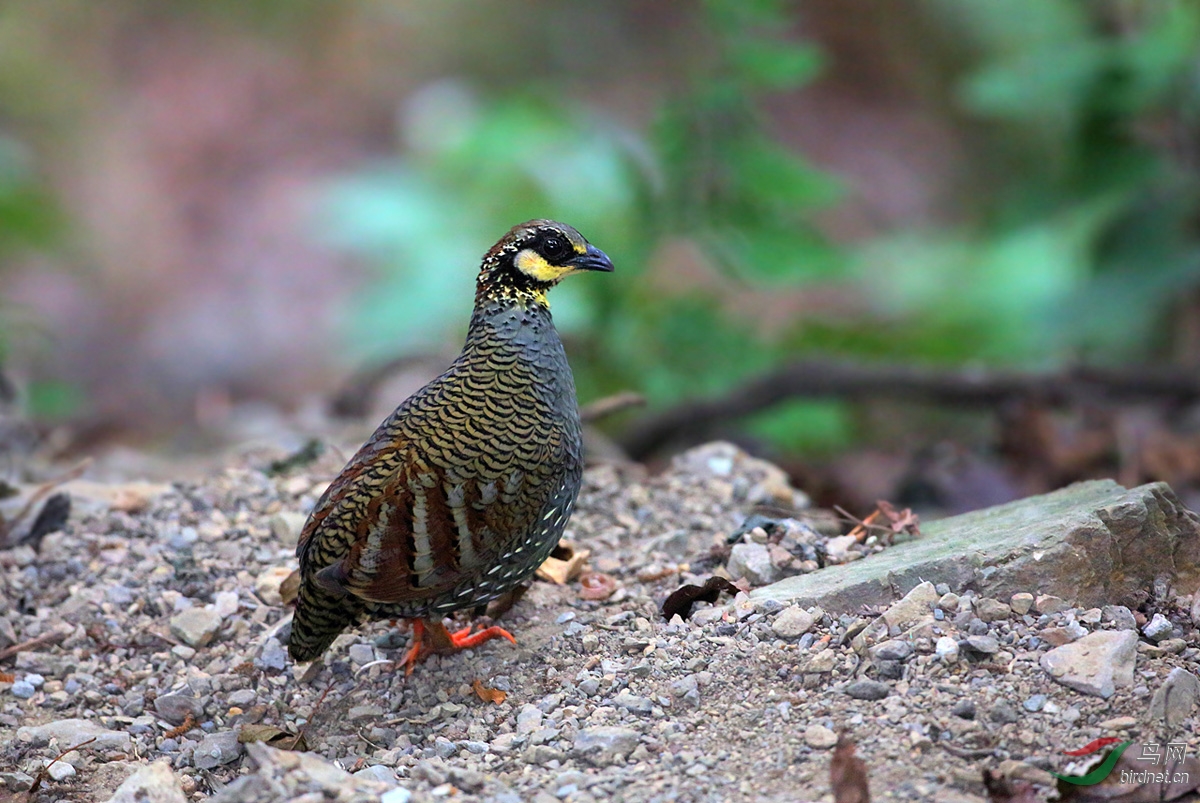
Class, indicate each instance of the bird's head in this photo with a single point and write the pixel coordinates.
(535, 256)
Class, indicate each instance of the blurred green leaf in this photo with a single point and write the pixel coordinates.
(776, 65)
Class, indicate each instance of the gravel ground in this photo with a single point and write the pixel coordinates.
(163, 617)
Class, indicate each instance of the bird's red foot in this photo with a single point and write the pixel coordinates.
(464, 639)
(429, 636)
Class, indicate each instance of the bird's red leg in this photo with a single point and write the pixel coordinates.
(431, 636)
(417, 650)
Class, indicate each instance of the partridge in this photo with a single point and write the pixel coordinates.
(465, 489)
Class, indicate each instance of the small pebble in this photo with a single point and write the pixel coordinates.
(987, 645)
(1047, 603)
(964, 709)
(819, 737)
(1021, 603)
(947, 649)
(868, 690)
(1158, 628)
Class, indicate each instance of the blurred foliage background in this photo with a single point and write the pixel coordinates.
(207, 204)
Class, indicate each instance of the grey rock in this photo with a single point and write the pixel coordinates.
(443, 747)
(892, 650)
(70, 732)
(1049, 603)
(753, 562)
(242, 698)
(602, 745)
(153, 783)
(964, 709)
(361, 654)
(792, 622)
(272, 655)
(278, 772)
(681, 686)
(992, 610)
(1120, 616)
(217, 749)
(377, 772)
(821, 662)
(22, 689)
(1004, 714)
(912, 607)
(987, 645)
(1175, 699)
(1068, 543)
(633, 703)
(530, 719)
(1096, 664)
(16, 781)
(60, 771)
(174, 707)
(868, 690)
(1034, 703)
(196, 627)
(1158, 628)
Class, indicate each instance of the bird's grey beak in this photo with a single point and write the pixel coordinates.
(594, 259)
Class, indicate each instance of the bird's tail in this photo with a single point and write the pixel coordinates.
(320, 617)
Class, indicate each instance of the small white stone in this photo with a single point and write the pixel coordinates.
(225, 603)
(792, 622)
(819, 737)
(946, 649)
(196, 627)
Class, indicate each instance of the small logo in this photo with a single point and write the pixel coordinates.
(1104, 769)
(1151, 752)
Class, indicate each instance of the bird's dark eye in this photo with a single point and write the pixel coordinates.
(554, 248)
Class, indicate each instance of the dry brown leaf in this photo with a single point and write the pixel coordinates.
(273, 736)
(7, 678)
(290, 587)
(488, 695)
(565, 563)
(848, 773)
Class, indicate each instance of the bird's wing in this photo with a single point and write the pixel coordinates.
(401, 523)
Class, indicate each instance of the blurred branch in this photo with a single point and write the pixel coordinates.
(602, 408)
(694, 420)
(358, 393)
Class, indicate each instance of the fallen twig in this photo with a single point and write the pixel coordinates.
(52, 637)
(44, 772)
